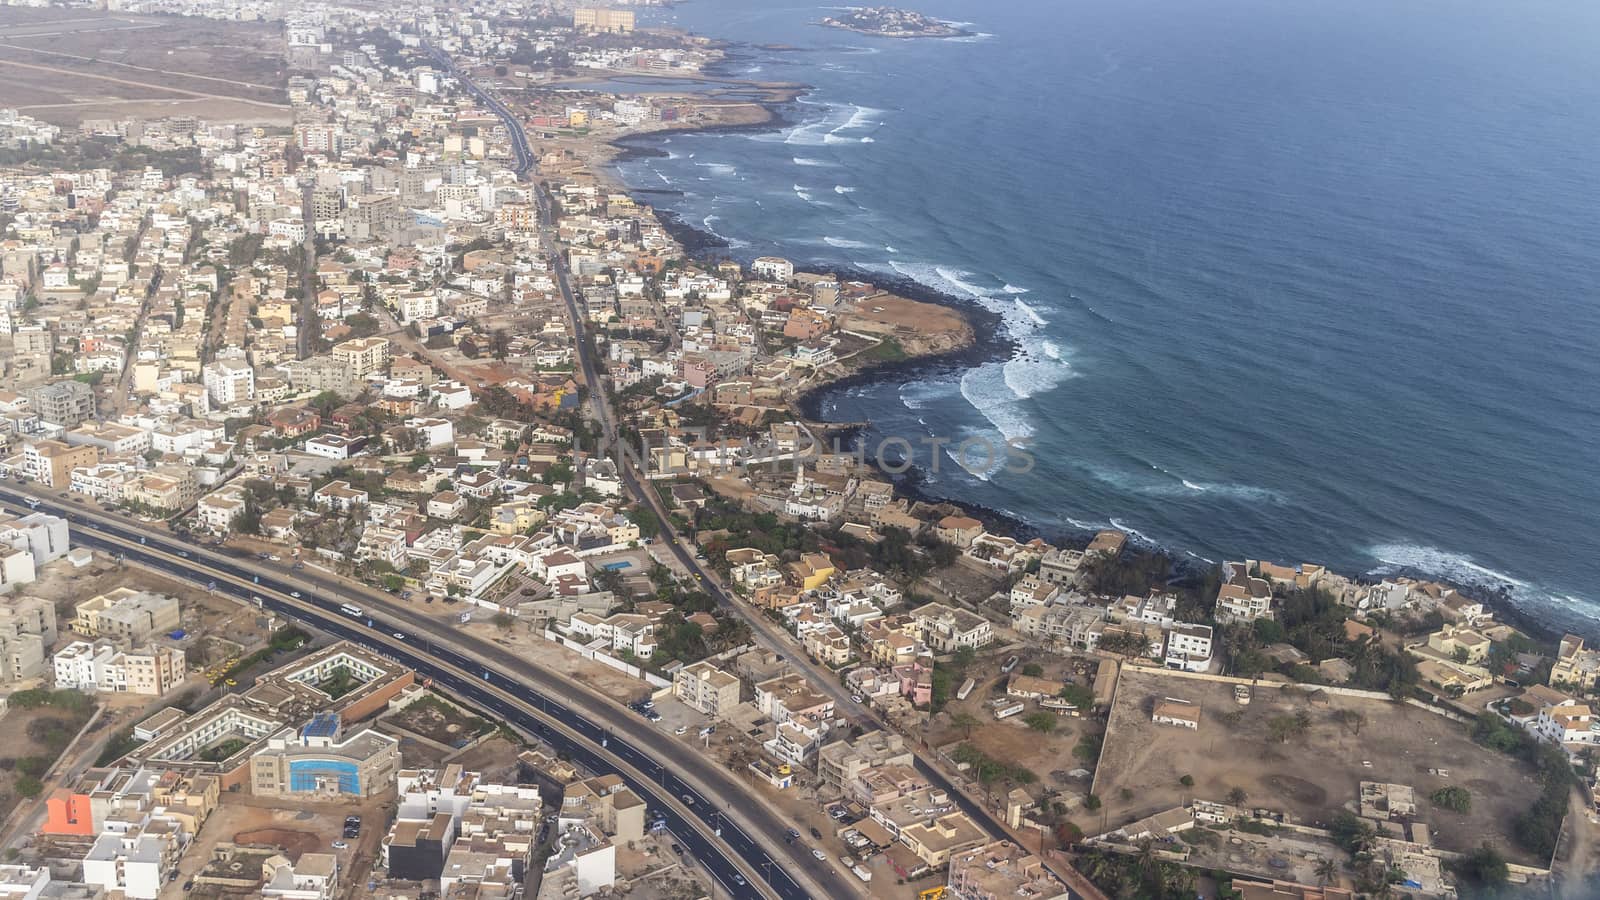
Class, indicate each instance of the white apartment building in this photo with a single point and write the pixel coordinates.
(1189, 647)
(230, 381)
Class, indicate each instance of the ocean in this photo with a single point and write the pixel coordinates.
(1290, 281)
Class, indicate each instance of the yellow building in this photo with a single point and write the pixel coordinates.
(515, 517)
(588, 18)
(812, 571)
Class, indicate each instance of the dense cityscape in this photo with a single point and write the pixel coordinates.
(395, 506)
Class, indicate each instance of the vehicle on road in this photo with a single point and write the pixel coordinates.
(399, 635)
(815, 833)
(739, 879)
(295, 594)
(687, 800)
(790, 835)
(681, 729)
(819, 854)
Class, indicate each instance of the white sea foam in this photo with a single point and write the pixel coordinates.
(1010, 288)
(868, 140)
(989, 392)
(709, 224)
(1134, 533)
(1036, 367)
(721, 170)
(970, 464)
(1459, 568)
(802, 193)
(808, 161)
(1444, 564)
(1029, 311)
(845, 243)
(841, 189)
(889, 249)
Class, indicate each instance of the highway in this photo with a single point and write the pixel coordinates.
(670, 776)
(767, 633)
(519, 137)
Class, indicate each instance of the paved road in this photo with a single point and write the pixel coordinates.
(767, 633)
(670, 768)
(519, 137)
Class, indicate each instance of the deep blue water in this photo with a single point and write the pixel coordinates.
(1296, 281)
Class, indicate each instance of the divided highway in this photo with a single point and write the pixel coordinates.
(693, 792)
(519, 138)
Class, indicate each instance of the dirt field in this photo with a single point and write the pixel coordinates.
(496, 758)
(919, 327)
(1048, 755)
(305, 828)
(202, 614)
(65, 66)
(601, 678)
(439, 722)
(1311, 777)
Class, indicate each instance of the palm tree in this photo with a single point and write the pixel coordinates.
(1325, 870)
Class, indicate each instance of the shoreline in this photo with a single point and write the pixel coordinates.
(989, 345)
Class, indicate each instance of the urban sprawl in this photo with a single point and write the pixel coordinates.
(393, 508)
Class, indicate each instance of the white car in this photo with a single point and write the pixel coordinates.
(819, 854)
(681, 729)
(295, 594)
(340, 845)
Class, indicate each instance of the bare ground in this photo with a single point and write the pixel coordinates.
(1309, 778)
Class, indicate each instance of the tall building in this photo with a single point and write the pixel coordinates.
(230, 381)
(51, 462)
(362, 356)
(63, 403)
(588, 18)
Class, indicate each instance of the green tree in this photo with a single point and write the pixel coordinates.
(1453, 798)
(1484, 870)
(1042, 722)
(1078, 695)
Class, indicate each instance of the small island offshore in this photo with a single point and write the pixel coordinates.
(889, 21)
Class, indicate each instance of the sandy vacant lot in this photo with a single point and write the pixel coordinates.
(71, 65)
(1309, 778)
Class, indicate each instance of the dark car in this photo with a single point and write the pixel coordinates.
(816, 834)
(677, 848)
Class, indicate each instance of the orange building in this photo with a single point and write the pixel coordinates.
(67, 812)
